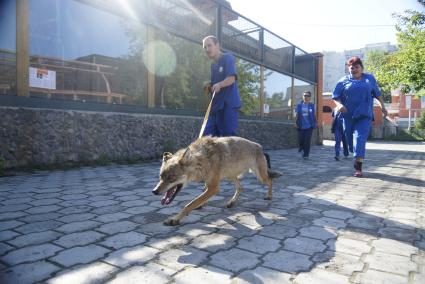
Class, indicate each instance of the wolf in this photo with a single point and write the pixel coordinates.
(210, 160)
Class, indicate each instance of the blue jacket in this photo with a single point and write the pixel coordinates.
(311, 116)
(228, 96)
(357, 95)
(337, 121)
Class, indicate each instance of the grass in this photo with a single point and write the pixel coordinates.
(413, 135)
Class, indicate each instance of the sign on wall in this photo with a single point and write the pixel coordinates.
(42, 78)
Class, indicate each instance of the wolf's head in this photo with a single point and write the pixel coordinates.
(172, 176)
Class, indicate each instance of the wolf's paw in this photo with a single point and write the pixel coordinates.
(171, 222)
(230, 204)
(268, 198)
(199, 208)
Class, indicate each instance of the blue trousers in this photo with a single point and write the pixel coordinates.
(223, 122)
(340, 137)
(304, 138)
(356, 134)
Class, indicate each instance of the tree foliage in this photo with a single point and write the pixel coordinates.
(374, 62)
(404, 68)
(276, 101)
(420, 123)
(183, 87)
(249, 86)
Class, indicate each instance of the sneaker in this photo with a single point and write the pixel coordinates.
(358, 174)
(299, 150)
(336, 158)
(305, 157)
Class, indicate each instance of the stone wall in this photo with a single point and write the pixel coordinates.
(31, 137)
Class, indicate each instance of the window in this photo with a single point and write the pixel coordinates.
(7, 46)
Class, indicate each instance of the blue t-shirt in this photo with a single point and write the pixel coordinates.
(305, 117)
(357, 95)
(220, 70)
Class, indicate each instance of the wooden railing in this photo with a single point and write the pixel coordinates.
(60, 66)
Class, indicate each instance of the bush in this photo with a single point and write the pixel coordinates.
(406, 135)
(420, 123)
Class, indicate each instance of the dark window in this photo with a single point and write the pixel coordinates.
(327, 109)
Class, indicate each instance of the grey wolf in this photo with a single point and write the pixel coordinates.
(211, 159)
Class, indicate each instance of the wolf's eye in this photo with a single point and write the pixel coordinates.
(172, 178)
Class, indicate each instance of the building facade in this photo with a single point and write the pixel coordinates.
(334, 66)
(404, 109)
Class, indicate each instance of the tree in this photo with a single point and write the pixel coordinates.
(410, 58)
(420, 123)
(276, 101)
(182, 87)
(181, 69)
(404, 68)
(375, 61)
(249, 86)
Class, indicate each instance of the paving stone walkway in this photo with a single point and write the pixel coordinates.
(103, 224)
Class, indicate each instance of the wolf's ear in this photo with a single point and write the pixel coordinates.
(185, 156)
(166, 156)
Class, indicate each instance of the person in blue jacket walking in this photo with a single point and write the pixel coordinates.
(223, 118)
(338, 131)
(354, 95)
(305, 122)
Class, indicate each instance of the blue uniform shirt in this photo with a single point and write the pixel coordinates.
(357, 95)
(220, 70)
(305, 116)
(305, 120)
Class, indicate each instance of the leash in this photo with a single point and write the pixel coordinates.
(207, 113)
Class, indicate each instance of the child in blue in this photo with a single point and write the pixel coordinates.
(354, 96)
(223, 118)
(305, 122)
(338, 131)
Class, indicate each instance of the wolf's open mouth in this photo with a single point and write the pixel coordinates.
(170, 194)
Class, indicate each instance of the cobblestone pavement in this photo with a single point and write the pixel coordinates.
(103, 225)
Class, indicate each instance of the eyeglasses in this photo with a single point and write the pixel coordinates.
(307, 96)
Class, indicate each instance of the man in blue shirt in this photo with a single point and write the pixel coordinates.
(223, 118)
(354, 96)
(305, 122)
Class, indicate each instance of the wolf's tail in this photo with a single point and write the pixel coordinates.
(273, 174)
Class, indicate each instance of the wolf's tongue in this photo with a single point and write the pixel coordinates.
(167, 198)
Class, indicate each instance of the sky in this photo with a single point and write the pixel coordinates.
(327, 25)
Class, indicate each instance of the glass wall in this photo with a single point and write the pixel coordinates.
(278, 53)
(299, 88)
(149, 54)
(240, 35)
(249, 87)
(89, 59)
(305, 65)
(181, 72)
(7, 47)
(277, 93)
